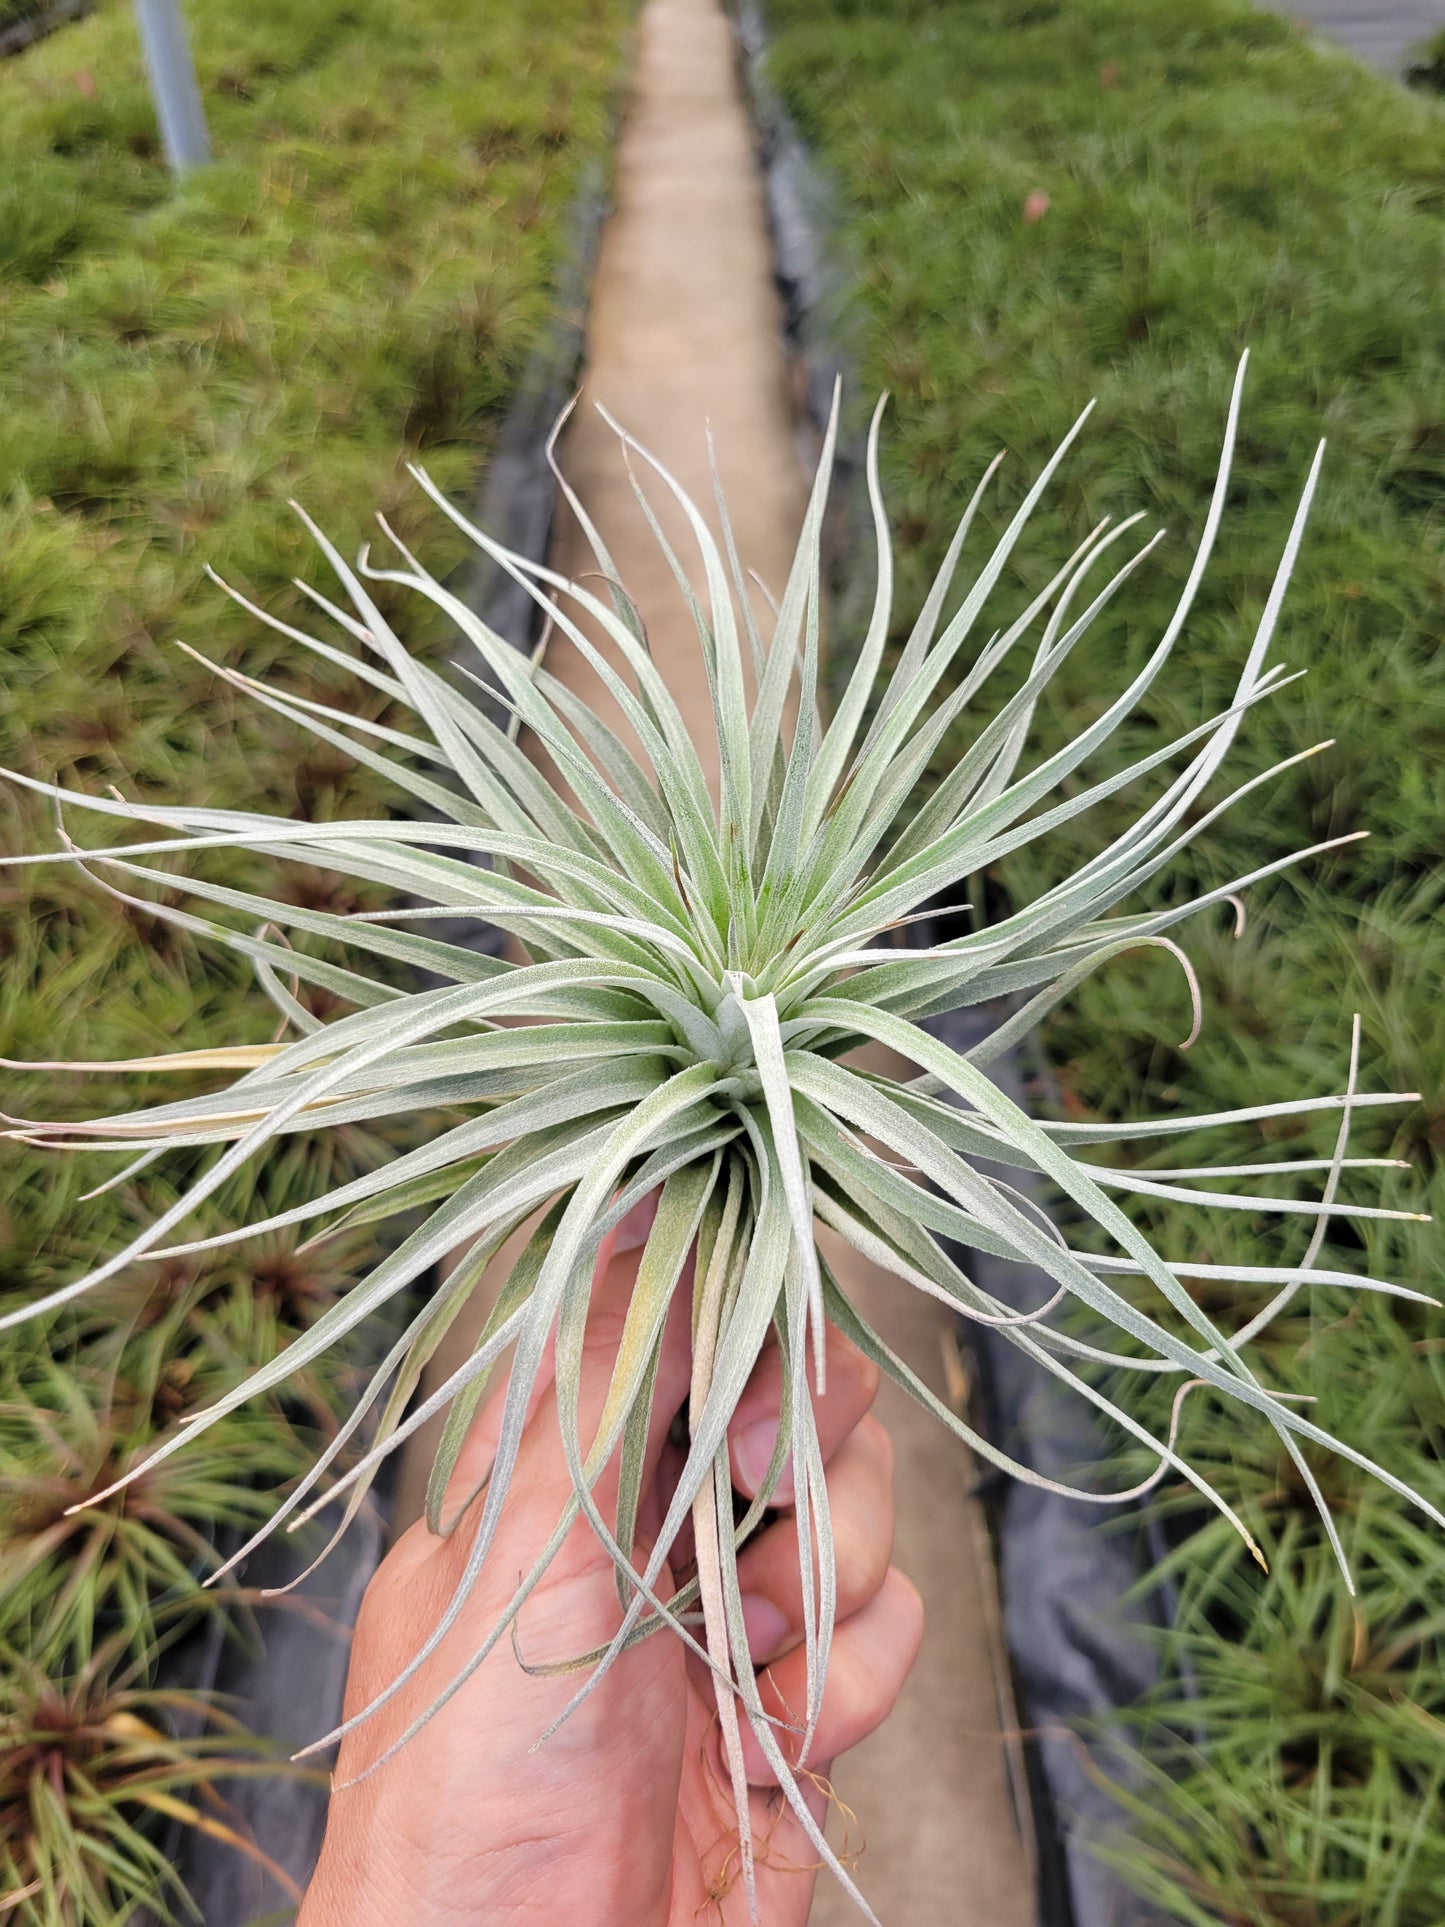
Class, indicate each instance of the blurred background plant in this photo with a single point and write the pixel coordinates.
(359, 280)
(1044, 201)
(1427, 66)
(93, 1772)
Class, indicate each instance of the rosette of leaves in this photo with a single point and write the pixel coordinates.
(93, 1775)
(695, 975)
(71, 1571)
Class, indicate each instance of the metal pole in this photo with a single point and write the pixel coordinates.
(173, 82)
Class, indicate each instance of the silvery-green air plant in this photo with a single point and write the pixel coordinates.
(697, 976)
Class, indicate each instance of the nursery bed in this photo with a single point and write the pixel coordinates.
(371, 272)
(1078, 1645)
(1048, 202)
(289, 1682)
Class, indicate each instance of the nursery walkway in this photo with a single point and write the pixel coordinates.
(1379, 32)
(684, 325)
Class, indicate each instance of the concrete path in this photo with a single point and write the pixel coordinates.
(934, 1789)
(1379, 32)
(685, 324)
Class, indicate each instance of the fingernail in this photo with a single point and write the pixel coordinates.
(753, 1454)
(767, 1626)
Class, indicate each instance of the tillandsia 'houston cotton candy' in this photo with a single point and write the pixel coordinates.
(696, 977)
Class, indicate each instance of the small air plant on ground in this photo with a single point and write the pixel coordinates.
(71, 1570)
(697, 975)
(91, 1778)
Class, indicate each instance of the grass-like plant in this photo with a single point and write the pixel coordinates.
(697, 974)
(70, 1573)
(91, 1772)
(1173, 161)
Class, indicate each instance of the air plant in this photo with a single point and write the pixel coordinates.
(91, 1770)
(70, 1569)
(1311, 1785)
(696, 975)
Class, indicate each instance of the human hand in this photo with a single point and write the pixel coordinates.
(624, 1818)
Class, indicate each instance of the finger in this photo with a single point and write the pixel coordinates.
(852, 1382)
(873, 1654)
(860, 1499)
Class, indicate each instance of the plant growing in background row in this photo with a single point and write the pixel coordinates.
(84, 1762)
(696, 978)
(1427, 69)
(69, 1570)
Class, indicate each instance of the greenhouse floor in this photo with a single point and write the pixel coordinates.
(685, 325)
(1381, 32)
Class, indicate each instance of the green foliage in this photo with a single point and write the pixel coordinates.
(66, 1432)
(1427, 68)
(1212, 180)
(93, 1774)
(359, 277)
(697, 974)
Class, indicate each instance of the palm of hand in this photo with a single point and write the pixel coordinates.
(624, 1817)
